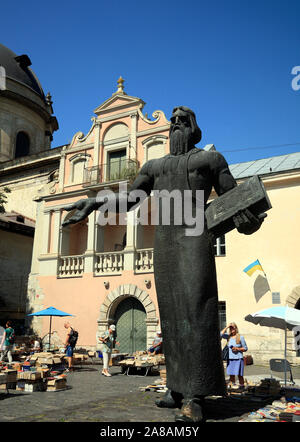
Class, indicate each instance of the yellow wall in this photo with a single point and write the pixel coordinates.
(276, 245)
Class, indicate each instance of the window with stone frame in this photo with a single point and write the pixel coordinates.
(78, 163)
(22, 145)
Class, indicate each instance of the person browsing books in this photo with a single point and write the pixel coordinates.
(107, 343)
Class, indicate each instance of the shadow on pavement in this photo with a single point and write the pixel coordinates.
(227, 407)
(81, 369)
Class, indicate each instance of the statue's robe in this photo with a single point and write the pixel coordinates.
(185, 277)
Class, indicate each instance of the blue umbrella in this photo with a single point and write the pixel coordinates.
(50, 311)
(283, 317)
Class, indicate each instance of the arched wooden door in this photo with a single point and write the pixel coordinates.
(131, 328)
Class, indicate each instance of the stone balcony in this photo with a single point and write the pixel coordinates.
(106, 263)
(70, 266)
(143, 261)
(109, 263)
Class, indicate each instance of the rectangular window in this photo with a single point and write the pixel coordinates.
(116, 164)
(222, 314)
(219, 246)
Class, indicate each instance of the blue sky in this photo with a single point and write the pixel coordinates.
(230, 61)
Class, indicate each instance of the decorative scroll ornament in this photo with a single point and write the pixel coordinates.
(156, 115)
(79, 136)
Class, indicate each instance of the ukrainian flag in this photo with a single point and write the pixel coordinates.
(253, 267)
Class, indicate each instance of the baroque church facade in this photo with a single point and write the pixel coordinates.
(104, 274)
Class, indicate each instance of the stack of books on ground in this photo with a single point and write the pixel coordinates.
(79, 358)
(57, 383)
(268, 387)
(163, 376)
(278, 411)
(29, 381)
(3, 382)
(158, 386)
(30, 377)
(8, 377)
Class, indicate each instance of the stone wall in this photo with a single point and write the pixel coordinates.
(15, 262)
(15, 117)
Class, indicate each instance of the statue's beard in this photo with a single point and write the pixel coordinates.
(180, 140)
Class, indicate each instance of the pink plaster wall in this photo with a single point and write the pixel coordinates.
(83, 297)
(78, 238)
(113, 235)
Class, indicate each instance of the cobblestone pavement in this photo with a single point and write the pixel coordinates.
(91, 397)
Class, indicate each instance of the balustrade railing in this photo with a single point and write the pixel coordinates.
(143, 262)
(119, 170)
(109, 263)
(70, 266)
(92, 175)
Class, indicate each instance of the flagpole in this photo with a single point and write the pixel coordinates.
(262, 268)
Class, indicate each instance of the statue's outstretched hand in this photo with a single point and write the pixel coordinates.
(83, 208)
(247, 223)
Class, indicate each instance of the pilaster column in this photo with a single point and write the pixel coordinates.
(90, 251)
(129, 251)
(56, 234)
(96, 156)
(38, 235)
(133, 143)
(50, 229)
(44, 244)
